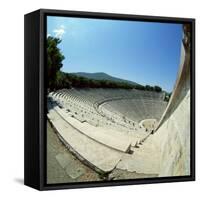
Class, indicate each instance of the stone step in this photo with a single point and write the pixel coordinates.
(143, 160)
(100, 157)
(113, 139)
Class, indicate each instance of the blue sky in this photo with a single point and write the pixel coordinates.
(144, 52)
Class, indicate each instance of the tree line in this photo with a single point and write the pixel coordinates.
(58, 79)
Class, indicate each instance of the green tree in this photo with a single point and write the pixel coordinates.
(54, 60)
(157, 88)
(148, 87)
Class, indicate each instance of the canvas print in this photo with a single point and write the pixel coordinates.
(118, 99)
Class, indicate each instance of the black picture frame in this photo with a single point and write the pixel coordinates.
(35, 98)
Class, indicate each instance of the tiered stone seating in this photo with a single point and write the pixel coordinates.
(86, 149)
(98, 122)
(111, 107)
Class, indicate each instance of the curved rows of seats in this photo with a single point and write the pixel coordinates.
(136, 109)
(83, 111)
(98, 122)
(119, 108)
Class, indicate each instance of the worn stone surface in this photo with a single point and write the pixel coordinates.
(114, 139)
(74, 172)
(63, 159)
(85, 148)
(69, 165)
(57, 173)
(173, 132)
(119, 174)
(58, 158)
(145, 159)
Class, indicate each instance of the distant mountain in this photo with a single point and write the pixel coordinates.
(103, 76)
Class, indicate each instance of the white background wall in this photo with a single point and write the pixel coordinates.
(11, 98)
